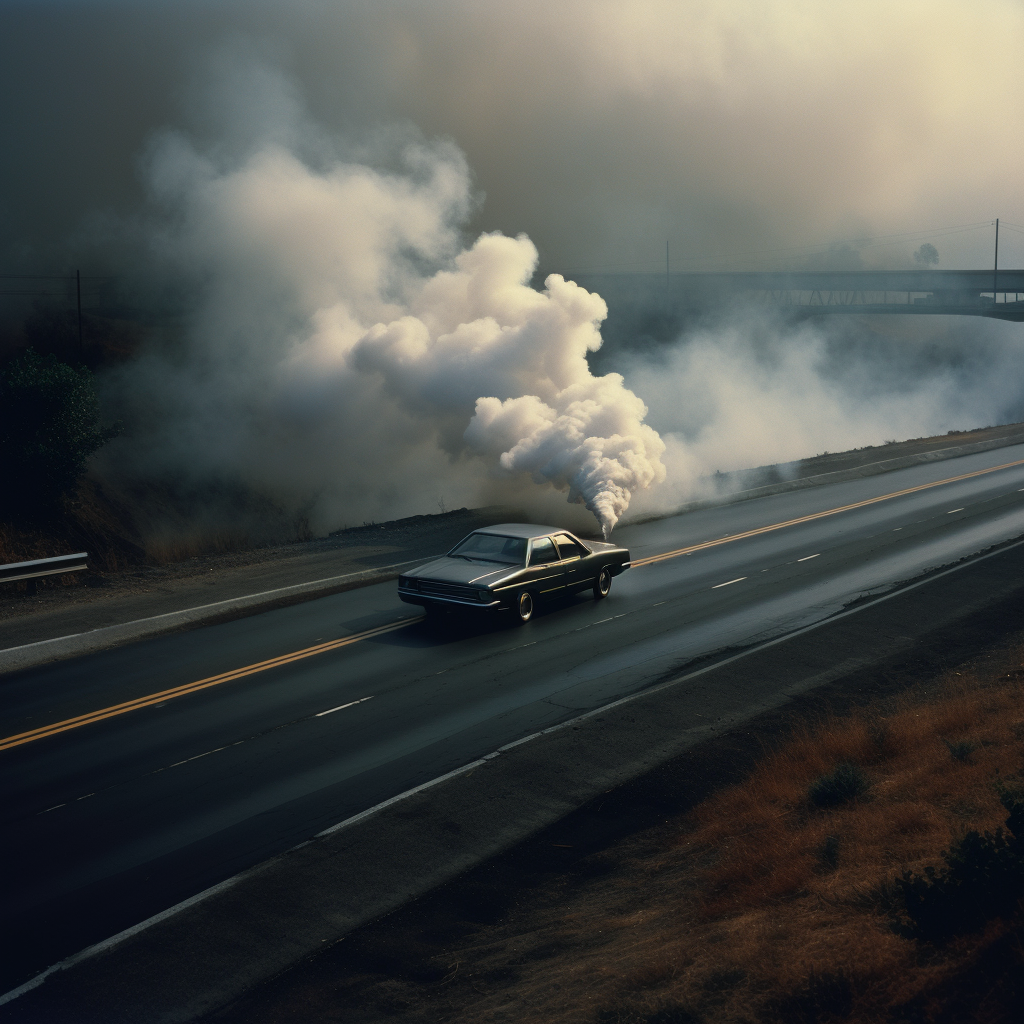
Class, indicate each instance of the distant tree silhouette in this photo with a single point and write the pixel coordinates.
(49, 426)
(927, 256)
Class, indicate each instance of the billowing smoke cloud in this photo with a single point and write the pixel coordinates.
(752, 391)
(481, 327)
(346, 357)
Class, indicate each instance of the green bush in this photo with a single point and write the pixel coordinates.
(49, 426)
(983, 879)
(845, 783)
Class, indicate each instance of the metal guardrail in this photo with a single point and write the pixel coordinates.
(43, 567)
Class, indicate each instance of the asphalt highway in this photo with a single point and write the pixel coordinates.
(135, 778)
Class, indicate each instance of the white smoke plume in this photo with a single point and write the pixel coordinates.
(480, 327)
(753, 391)
(348, 358)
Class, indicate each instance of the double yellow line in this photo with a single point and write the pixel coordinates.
(200, 684)
(637, 563)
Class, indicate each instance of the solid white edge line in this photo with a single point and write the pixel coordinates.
(114, 940)
(217, 604)
(402, 796)
(737, 580)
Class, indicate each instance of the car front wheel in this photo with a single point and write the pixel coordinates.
(603, 584)
(524, 606)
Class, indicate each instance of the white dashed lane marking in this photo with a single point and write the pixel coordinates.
(807, 558)
(729, 583)
(341, 707)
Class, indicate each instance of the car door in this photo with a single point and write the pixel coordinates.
(572, 562)
(545, 570)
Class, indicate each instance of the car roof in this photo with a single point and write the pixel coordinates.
(521, 530)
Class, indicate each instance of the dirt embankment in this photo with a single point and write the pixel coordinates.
(774, 898)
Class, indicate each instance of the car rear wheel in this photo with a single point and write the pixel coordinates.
(603, 584)
(524, 606)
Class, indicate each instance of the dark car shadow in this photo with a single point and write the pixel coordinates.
(454, 626)
(440, 629)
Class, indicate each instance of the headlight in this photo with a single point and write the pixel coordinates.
(484, 597)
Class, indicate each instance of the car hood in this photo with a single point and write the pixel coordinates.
(458, 570)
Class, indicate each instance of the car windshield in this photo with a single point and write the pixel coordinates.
(489, 547)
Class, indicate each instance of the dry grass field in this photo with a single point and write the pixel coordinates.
(773, 908)
(764, 903)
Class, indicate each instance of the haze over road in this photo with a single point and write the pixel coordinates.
(112, 820)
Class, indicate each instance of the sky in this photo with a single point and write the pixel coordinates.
(600, 129)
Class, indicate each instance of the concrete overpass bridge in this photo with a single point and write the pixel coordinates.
(805, 293)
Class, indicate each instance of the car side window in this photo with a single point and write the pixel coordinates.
(567, 547)
(543, 551)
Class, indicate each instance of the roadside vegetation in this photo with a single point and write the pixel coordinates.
(870, 868)
(51, 426)
(49, 429)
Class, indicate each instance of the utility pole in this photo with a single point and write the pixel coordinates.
(78, 291)
(666, 263)
(995, 269)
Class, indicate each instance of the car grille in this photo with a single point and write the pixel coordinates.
(448, 590)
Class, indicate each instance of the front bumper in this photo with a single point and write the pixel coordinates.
(415, 597)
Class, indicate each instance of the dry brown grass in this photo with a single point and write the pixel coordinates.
(770, 918)
(742, 916)
(144, 526)
(167, 549)
(89, 520)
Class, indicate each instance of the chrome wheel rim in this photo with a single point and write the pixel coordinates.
(604, 581)
(525, 607)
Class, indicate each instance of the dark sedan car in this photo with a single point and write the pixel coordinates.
(513, 566)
